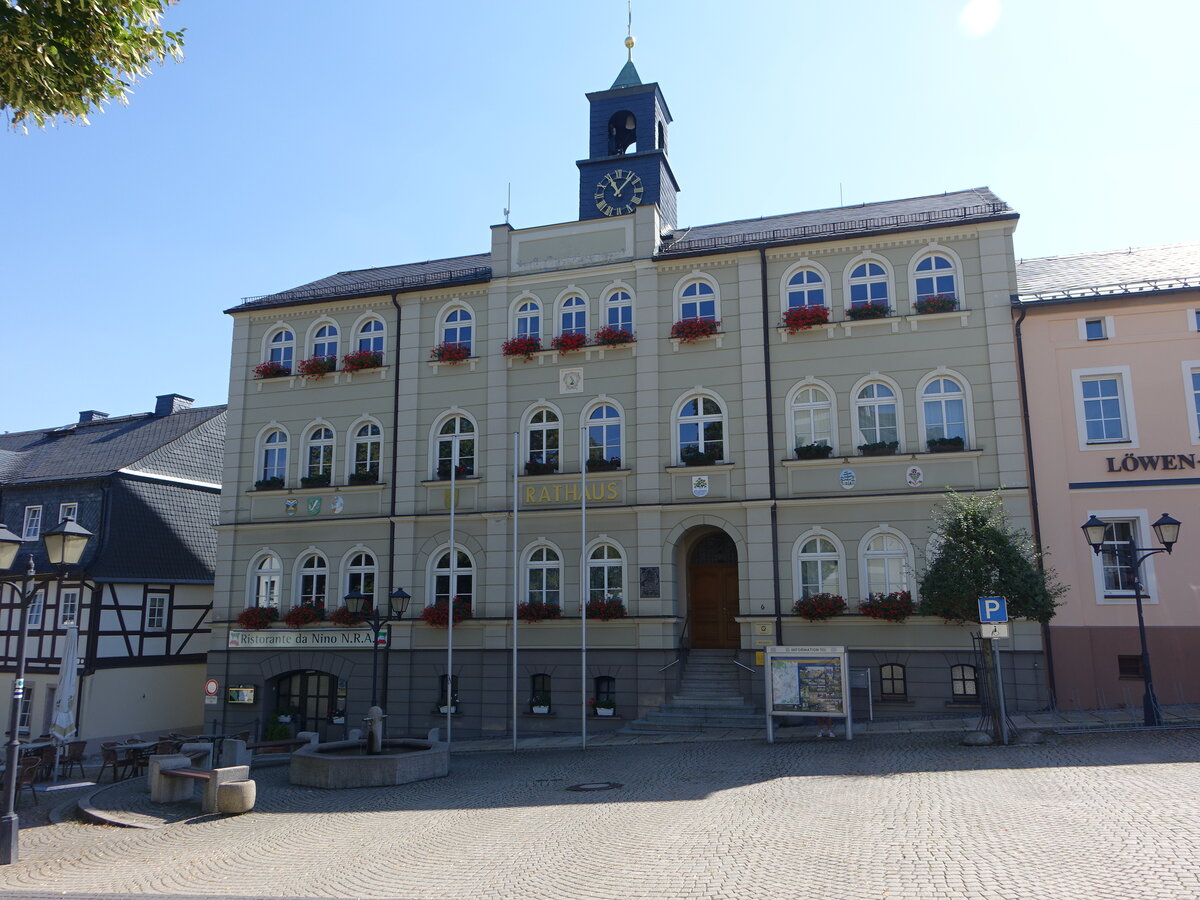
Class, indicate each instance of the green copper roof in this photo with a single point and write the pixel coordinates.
(628, 77)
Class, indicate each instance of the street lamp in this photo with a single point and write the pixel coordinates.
(359, 605)
(1166, 530)
(64, 547)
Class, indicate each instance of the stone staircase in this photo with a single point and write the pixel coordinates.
(709, 696)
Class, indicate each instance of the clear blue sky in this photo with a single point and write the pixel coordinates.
(300, 138)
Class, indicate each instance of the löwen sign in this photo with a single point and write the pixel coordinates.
(1158, 462)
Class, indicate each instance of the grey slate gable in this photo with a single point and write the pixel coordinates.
(1133, 270)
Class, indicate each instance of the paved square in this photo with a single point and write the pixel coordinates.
(890, 816)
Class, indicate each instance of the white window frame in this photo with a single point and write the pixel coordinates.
(311, 442)
(793, 402)
(527, 309)
(286, 348)
(63, 594)
(445, 326)
(31, 526)
(279, 468)
(1141, 519)
(585, 422)
(258, 578)
(35, 613)
(358, 439)
(608, 563)
(304, 571)
(156, 620)
(315, 329)
(570, 295)
(458, 570)
(968, 406)
(529, 428)
(848, 281)
(694, 277)
(786, 287)
(955, 271)
(1188, 366)
(1078, 377)
(799, 557)
(702, 418)
(617, 297)
(855, 403)
(865, 555)
(375, 335)
(1193, 319)
(360, 569)
(529, 565)
(1107, 323)
(456, 441)
(25, 714)
(68, 511)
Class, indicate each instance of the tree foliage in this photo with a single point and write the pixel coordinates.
(69, 57)
(979, 554)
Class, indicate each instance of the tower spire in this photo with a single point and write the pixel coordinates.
(628, 76)
(629, 39)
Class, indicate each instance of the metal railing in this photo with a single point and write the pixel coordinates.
(1116, 287)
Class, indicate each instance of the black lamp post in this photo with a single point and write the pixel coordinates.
(359, 604)
(1166, 530)
(64, 547)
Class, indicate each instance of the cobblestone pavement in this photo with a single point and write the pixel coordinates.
(890, 816)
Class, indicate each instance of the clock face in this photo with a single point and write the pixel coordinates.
(619, 192)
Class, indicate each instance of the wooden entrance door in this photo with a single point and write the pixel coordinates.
(713, 593)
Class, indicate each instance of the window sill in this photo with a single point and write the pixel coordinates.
(310, 491)
(848, 325)
(829, 328)
(699, 470)
(446, 481)
(339, 377)
(583, 354)
(471, 361)
(899, 456)
(718, 336)
(914, 319)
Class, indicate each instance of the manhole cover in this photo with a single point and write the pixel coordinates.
(595, 786)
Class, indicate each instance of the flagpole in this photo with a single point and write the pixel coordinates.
(454, 454)
(583, 585)
(516, 561)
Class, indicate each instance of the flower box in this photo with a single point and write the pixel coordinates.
(687, 331)
(346, 619)
(337, 720)
(936, 303)
(313, 481)
(869, 311)
(304, 614)
(879, 448)
(368, 477)
(269, 484)
(690, 456)
(610, 336)
(316, 367)
(521, 346)
(894, 607)
(818, 607)
(604, 465)
(536, 611)
(540, 709)
(802, 318)
(438, 615)
(945, 445)
(271, 370)
(450, 352)
(362, 359)
(819, 450)
(604, 610)
(605, 711)
(540, 468)
(460, 471)
(569, 343)
(447, 710)
(256, 618)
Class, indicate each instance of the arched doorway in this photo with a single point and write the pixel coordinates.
(311, 697)
(712, 586)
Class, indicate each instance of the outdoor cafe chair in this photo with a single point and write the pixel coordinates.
(72, 758)
(110, 757)
(28, 775)
(47, 757)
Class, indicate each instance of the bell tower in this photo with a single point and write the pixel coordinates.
(627, 162)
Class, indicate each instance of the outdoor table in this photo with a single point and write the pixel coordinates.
(215, 740)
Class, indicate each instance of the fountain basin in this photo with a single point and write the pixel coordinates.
(346, 764)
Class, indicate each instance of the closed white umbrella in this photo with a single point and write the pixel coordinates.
(62, 724)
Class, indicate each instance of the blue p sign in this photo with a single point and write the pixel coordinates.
(993, 609)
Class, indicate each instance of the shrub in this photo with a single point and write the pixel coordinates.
(894, 607)
(819, 450)
(533, 467)
(599, 464)
(316, 367)
(693, 456)
(816, 607)
(945, 445)
(536, 611)
(878, 448)
(304, 614)
(612, 608)
(311, 481)
(521, 346)
(568, 343)
(438, 615)
(936, 303)
(802, 318)
(450, 352)
(610, 336)
(362, 359)
(257, 617)
(876, 310)
(269, 484)
(689, 330)
(271, 370)
(370, 476)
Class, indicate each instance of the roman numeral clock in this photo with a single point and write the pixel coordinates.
(619, 191)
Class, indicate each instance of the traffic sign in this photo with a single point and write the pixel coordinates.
(993, 609)
(211, 687)
(990, 631)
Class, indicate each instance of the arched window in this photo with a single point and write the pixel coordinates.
(464, 578)
(370, 336)
(622, 132)
(274, 458)
(539, 690)
(892, 683)
(319, 453)
(542, 437)
(529, 319)
(963, 683)
(944, 410)
(604, 688)
(314, 576)
(456, 328)
(806, 288)
(876, 414)
(606, 573)
(455, 447)
(619, 310)
(544, 577)
(868, 284)
(574, 315)
(267, 575)
(701, 425)
(368, 447)
(819, 567)
(698, 300)
(360, 575)
(812, 417)
(936, 277)
(604, 434)
(885, 558)
(325, 342)
(281, 348)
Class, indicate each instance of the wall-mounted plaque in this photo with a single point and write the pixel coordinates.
(648, 589)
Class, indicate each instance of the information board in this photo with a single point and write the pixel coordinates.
(807, 682)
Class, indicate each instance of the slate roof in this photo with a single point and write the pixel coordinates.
(1129, 271)
(976, 204)
(95, 449)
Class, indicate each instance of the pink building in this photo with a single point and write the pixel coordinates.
(1110, 357)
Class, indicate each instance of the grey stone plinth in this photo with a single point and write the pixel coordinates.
(236, 797)
(402, 761)
(201, 752)
(164, 789)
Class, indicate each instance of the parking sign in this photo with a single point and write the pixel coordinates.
(992, 609)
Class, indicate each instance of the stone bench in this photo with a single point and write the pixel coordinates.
(227, 790)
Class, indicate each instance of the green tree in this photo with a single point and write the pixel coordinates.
(979, 554)
(69, 57)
